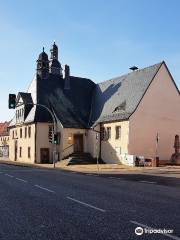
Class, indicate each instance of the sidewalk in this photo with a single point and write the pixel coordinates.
(166, 171)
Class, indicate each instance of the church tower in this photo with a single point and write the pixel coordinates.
(43, 65)
(55, 66)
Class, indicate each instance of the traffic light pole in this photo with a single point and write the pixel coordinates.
(98, 137)
(54, 126)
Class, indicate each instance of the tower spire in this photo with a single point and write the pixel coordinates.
(55, 66)
(43, 65)
(54, 51)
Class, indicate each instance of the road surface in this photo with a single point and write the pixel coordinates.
(54, 204)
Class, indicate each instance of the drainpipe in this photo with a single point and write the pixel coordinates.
(100, 141)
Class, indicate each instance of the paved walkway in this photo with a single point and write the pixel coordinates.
(169, 171)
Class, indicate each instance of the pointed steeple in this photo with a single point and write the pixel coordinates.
(55, 66)
(54, 51)
(43, 65)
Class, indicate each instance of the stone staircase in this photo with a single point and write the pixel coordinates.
(81, 158)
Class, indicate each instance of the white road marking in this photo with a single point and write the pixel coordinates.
(89, 174)
(113, 178)
(86, 204)
(46, 189)
(165, 234)
(8, 175)
(148, 182)
(20, 179)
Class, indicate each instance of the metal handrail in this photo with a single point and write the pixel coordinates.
(67, 147)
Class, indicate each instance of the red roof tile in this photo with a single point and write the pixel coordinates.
(4, 128)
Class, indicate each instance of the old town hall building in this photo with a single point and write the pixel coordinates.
(116, 119)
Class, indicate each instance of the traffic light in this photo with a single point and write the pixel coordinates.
(12, 101)
(55, 138)
(50, 136)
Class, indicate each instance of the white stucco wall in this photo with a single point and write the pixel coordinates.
(42, 140)
(112, 149)
(68, 134)
(92, 142)
(158, 112)
(23, 142)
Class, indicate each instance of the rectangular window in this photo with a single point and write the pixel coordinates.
(103, 133)
(25, 132)
(20, 152)
(20, 132)
(109, 132)
(29, 132)
(13, 134)
(29, 152)
(118, 132)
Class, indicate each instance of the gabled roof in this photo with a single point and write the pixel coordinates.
(117, 98)
(26, 97)
(85, 103)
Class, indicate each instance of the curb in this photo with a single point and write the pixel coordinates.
(24, 164)
(80, 170)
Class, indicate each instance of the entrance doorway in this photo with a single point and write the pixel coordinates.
(78, 142)
(44, 155)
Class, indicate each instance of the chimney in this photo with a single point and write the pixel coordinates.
(133, 68)
(67, 77)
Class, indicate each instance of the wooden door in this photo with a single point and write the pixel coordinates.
(78, 143)
(44, 155)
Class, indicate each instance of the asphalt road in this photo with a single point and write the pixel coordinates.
(52, 204)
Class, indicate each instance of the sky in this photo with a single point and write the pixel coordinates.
(99, 39)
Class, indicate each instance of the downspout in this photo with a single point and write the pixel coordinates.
(100, 141)
(35, 138)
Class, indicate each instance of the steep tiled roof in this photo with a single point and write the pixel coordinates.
(26, 97)
(117, 98)
(86, 103)
(72, 106)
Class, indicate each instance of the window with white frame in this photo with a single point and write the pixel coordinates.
(118, 132)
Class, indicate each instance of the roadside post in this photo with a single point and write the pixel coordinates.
(157, 150)
(97, 155)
